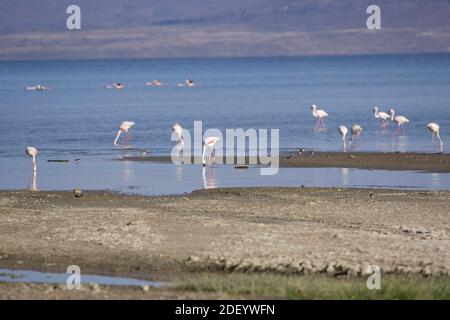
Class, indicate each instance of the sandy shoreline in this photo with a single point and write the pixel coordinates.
(281, 230)
(432, 162)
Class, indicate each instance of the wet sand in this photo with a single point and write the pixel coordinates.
(432, 162)
(338, 232)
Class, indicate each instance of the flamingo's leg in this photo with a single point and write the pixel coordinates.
(127, 137)
(317, 124)
(322, 122)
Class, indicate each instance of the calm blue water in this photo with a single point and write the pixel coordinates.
(146, 178)
(24, 276)
(78, 116)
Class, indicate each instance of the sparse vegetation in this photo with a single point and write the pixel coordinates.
(257, 286)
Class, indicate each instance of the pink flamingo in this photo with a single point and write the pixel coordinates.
(434, 129)
(32, 152)
(319, 114)
(209, 143)
(124, 127)
(383, 116)
(399, 120)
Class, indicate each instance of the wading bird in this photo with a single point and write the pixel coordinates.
(399, 120)
(383, 116)
(177, 135)
(209, 144)
(434, 129)
(355, 130)
(187, 83)
(154, 83)
(343, 132)
(319, 114)
(124, 127)
(115, 85)
(177, 132)
(37, 87)
(32, 152)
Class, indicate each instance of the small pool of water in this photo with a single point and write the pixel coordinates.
(7, 275)
(161, 178)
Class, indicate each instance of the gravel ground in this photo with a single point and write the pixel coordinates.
(283, 230)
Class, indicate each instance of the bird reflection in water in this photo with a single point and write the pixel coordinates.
(344, 176)
(401, 143)
(209, 177)
(127, 172)
(179, 173)
(435, 179)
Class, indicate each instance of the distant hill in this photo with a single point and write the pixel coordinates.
(197, 28)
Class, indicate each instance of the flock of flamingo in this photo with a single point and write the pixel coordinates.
(384, 117)
(119, 86)
(319, 114)
(154, 83)
(208, 144)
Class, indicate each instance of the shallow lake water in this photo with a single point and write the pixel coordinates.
(79, 115)
(148, 178)
(7, 275)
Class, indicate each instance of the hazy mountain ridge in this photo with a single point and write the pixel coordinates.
(150, 28)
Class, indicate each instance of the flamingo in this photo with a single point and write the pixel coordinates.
(38, 87)
(177, 131)
(115, 85)
(32, 152)
(124, 127)
(399, 120)
(210, 144)
(154, 83)
(343, 132)
(355, 130)
(187, 83)
(319, 114)
(434, 128)
(381, 115)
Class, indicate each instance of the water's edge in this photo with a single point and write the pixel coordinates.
(29, 276)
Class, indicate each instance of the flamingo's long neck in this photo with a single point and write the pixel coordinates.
(117, 136)
(203, 154)
(33, 159)
(375, 113)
